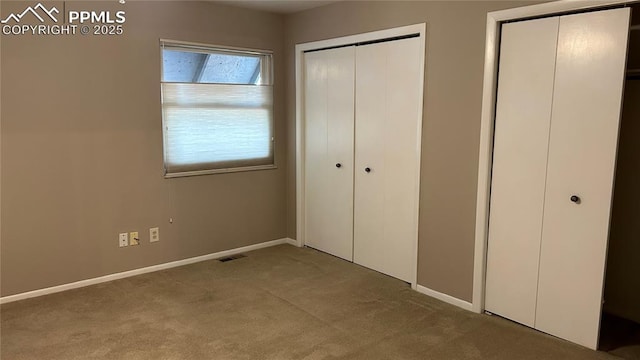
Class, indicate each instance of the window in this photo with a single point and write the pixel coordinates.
(217, 109)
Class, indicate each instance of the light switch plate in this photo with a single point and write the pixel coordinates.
(134, 239)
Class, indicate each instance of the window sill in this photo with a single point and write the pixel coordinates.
(219, 171)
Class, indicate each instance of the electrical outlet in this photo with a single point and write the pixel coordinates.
(133, 238)
(123, 239)
(154, 234)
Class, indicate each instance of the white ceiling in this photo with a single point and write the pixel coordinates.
(278, 6)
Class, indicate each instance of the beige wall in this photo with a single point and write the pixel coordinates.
(452, 104)
(82, 149)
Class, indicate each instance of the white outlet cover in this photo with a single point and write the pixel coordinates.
(123, 239)
(154, 234)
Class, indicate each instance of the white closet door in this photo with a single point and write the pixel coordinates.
(585, 118)
(388, 107)
(523, 116)
(329, 118)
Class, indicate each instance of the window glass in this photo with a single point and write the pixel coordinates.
(217, 110)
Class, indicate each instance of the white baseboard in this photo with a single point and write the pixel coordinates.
(444, 297)
(292, 242)
(148, 269)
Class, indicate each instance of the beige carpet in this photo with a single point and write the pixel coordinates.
(276, 303)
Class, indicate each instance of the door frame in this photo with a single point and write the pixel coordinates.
(300, 121)
(489, 96)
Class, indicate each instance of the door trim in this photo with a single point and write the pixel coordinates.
(444, 297)
(489, 96)
(300, 122)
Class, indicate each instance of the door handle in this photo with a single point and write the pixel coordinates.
(368, 170)
(575, 199)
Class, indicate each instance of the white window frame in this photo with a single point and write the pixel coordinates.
(211, 48)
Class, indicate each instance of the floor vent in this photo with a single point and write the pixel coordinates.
(232, 257)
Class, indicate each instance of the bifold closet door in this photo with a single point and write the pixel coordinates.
(388, 106)
(521, 142)
(557, 118)
(329, 134)
(590, 72)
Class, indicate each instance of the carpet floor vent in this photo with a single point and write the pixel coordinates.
(232, 257)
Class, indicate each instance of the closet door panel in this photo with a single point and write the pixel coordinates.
(585, 118)
(523, 116)
(329, 117)
(401, 157)
(369, 201)
(388, 107)
(340, 130)
(316, 148)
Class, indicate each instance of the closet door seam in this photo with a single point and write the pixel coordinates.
(544, 200)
